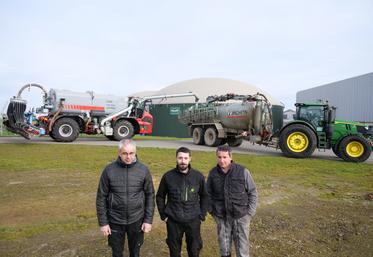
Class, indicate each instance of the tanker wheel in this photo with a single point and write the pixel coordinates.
(354, 149)
(234, 142)
(211, 137)
(123, 129)
(65, 130)
(297, 141)
(223, 141)
(51, 135)
(198, 137)
(111, 138)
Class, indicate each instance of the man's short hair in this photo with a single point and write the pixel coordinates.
(183, 150)
(224, 148)
(125, 142)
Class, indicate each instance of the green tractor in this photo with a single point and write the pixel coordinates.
(314, 126)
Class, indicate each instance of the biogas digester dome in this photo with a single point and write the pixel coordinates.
(166, 112)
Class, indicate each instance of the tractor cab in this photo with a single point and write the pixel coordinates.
(319, 115)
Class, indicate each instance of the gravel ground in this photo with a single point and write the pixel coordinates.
(245, 148)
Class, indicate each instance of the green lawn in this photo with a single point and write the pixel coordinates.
(307, 207)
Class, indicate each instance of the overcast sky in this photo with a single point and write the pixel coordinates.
(122, 47)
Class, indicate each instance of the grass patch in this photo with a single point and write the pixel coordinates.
(307, 207)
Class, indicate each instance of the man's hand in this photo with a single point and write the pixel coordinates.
(146, 227)
(105, 230)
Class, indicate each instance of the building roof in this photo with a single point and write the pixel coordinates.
(205, 87)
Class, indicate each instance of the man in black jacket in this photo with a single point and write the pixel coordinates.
(125, 201)
(182, 203)
(233, 200)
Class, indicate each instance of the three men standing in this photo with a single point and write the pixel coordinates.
(182, 203)
(125, 201)
(233, 200)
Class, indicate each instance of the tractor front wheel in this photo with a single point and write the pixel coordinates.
(354, 149)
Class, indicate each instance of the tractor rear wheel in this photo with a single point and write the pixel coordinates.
(198, 136)
(335, 149)
(354, 149)
(211, 137)
(65, 130)
(297, 141)
(123, 129)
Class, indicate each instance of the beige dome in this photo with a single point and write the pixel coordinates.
(205, 87)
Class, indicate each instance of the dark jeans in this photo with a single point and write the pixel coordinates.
(135, 238)
(175, 231)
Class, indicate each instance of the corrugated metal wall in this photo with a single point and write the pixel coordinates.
(353, 97)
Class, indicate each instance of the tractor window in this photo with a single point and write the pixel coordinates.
(312, 114)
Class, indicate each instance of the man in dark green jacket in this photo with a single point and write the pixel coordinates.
(182, 203)
(125, 201)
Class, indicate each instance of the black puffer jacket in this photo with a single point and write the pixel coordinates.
(182, 197)
(125, 194)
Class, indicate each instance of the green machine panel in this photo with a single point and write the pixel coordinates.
(165, 118)
(277, 117)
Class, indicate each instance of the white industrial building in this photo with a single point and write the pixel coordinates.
(353, 97)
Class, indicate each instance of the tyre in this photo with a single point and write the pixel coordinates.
(335, 149)
(123, 129)
(297, 141)
(111, 138)
(65, 130)
(51, 135)
(211, 137)
(234, 142)
(223, 141)
(354, 149)
(198, 136)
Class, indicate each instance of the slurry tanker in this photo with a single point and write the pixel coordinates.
(233, 118)
(65, 114)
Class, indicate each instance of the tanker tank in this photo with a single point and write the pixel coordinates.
(78, 102)
(229, 118)
(232, 115)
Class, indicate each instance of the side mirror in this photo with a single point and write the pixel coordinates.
(331, 115)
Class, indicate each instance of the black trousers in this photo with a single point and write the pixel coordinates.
(118, 235)
(175, 232)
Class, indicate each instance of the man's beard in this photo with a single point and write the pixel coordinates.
(182, 167)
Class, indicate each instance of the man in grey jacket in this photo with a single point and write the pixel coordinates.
(125, 201)
(233, 200)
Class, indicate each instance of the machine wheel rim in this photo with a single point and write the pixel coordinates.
(355, 149)
(65, 130)
(196, 135)
(123, 131)
(297, 142)
(210, 135)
